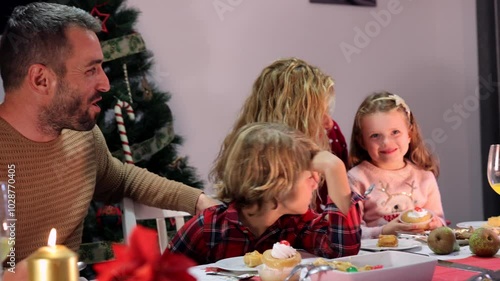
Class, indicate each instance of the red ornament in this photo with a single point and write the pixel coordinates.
(102, 17)
(109, 215)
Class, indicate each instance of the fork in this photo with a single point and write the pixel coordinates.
(238, 277)
(369, 190)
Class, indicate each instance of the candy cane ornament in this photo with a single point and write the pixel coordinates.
(121, 127)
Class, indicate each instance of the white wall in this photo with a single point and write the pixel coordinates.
(426, 52)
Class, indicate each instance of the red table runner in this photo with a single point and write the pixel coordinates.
(442, 273)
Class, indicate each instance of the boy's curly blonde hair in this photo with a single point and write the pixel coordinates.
(262, 164)
(417, 153)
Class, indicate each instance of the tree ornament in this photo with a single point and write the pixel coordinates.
(109, 215)
(122, 46)
(121, 127)
(102, 17)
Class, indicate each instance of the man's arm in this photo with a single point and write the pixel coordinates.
(116, 180)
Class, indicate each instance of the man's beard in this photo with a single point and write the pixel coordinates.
(66, 112)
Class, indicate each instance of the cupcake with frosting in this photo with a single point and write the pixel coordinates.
(278, 262)
(418, 216)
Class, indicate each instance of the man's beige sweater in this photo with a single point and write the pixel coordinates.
(54, 182)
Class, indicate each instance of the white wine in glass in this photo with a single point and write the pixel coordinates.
(493, 169)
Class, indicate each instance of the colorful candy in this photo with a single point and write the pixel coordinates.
(352, 269)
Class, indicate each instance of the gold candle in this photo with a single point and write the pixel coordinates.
(53, 262)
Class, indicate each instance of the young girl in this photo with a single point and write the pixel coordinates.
(387, 150)
(267, 176)
(295, 93)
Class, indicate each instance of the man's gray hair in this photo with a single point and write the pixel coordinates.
(35, 33)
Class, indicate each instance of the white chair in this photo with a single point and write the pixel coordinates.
(133, 211)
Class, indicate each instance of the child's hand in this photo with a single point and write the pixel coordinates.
(325, 161)
(334, 170)
(435, 223)
(395, 225)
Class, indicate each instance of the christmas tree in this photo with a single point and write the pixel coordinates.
(147, 119)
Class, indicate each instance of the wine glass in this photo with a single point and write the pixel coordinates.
(4, 245)
(493, 169)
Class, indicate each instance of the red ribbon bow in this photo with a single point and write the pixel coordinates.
(141, 261)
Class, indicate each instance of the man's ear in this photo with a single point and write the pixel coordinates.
(41, 79)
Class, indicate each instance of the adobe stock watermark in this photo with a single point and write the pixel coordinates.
(458, 112)
(221, 7)
(363, 37)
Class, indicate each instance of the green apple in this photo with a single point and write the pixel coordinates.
(442, 240)
(484, 242)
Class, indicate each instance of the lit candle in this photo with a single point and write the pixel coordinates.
(53, 262)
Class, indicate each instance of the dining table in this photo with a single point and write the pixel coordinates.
(441, 272)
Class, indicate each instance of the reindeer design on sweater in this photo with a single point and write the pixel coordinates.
(395, 203)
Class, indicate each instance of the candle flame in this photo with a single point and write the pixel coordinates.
(52, 237)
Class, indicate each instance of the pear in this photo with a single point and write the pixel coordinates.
(484, 242)
(442, 241)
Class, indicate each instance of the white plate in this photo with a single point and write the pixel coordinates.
(474, 224)
(403, 244)
(234, 264)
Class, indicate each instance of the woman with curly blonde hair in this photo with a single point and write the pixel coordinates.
(300, 95)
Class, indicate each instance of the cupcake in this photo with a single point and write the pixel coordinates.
(278, 262)
(418, 216)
